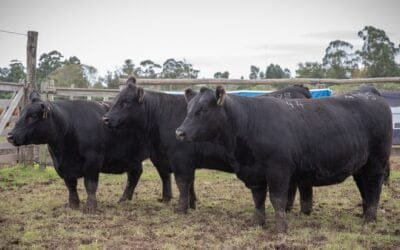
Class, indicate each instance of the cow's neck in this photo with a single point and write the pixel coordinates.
(163, 109)
(60, 127)
(237, 110)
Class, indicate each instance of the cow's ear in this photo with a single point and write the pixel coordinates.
(189, 94)
(131, 80)
(220, 93)
(140, 95)
(46, 109)
(34, 97)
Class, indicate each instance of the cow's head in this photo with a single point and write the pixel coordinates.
(206, 118)
(35, 124)
(128, 108)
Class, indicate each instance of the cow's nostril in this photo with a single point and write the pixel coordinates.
(10, 137)
(106, 120)
(180, 135)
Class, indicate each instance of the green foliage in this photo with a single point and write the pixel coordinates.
(128, 68)
(274, 71)
(4, 74)
(73, 60)
(149, 69)
(339, 60)
(378, 53)
(70, 74)
(178, 69)
(14, 73)
(112, 79)
(221, 75)
(48, 62)
(310, 70)
(254, 72)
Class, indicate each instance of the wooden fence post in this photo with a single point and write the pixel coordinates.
(27, 153)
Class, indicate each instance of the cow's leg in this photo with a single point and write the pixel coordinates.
(360, 184)
(278, 179)
(372, 195)
(91, 188)
(184, 183)
(133, 178)
(291, 196)
(259, 196)
(372, 177)
(73, 200)
(166, 182)
(192, 197)
(306, 199)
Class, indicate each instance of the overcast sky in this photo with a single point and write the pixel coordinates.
(213, 35)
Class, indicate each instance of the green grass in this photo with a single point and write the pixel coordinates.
(33, 215)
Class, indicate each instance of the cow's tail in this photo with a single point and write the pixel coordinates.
(386, 179)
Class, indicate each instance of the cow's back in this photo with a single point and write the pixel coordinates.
(325, 140)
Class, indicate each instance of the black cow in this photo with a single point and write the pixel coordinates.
(313, 142)
(296, 91)
(81, 146)
(154, 116)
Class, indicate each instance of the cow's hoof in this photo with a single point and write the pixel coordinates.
(258, 219)
(89, 210)
(192, 205)
(73, 205)
(179, 210)
(281, 227)
(165, 200)
(90, 207)
(306, 211)
(124, 199)
(306, 208)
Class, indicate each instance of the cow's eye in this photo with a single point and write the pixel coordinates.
(200, 112)
(31, 118)
(127, 103)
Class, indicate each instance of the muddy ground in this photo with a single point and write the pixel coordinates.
(33, 215)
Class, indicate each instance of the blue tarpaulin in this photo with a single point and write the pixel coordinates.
(316, 93)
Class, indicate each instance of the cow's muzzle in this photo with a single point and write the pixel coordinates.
(106, 120)
(180, 135)
(11, 139)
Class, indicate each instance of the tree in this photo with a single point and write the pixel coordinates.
(178, 69)
(149, 69)
(112, 80)
(4, 74)
(254, 72)
(310, 70)
(73, 60)
(70, 74)
(90, 73)
(339, 60)
(99, 84)
(16, 71)
(378, 53)
(128, 68)
(48, 62)
(274, 71)
(221, 75)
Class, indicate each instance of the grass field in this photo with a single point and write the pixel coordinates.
(33, 215)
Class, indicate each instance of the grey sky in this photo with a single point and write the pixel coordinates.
(213, 35)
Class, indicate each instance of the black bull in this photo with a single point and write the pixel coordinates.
(154, 117)
(312, 142)
(81, 146)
